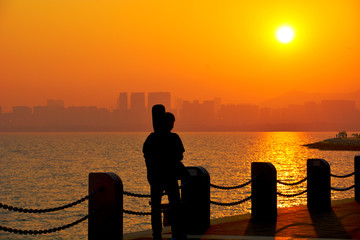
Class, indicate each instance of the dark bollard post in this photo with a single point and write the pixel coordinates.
(195, 195)
(318, 185)
(107, 204)
(263, 191)
(357, 178)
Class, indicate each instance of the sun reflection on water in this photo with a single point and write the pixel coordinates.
(50, 169)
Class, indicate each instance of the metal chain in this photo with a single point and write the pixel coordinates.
(137, 195)
(46, 210)
(231, 204)
(291, 195)
(136, 213)
(344, 176)
(292, 184)
(342, 189)
(229, 188)
(51, 230)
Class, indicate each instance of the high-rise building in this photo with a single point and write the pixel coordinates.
(137, 101)
(337, 110)
(21, 116)
(21, 111)
(55, 103)
(137, 113)
(163, 98)
(123, 101)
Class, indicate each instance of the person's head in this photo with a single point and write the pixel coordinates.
(158, 118)
(169, 120)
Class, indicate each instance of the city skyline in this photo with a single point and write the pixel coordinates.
(133, 113)
(279, 101)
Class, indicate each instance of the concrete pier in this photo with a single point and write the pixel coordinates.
(342, 222)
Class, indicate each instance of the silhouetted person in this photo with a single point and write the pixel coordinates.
(163, 152)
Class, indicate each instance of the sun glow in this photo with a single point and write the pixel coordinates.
(285, 34)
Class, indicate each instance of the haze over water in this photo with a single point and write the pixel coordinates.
(43, 170)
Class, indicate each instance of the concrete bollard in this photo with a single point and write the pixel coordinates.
(357, 178)
(195, 196)
(318, 185)
(107, 204)
(263, 191)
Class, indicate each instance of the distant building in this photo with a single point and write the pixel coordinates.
(21, 116)
(197, 116)
(55, 103)
(163, 98)
(22, 111)
(138, 117)
(238, 114)
(265, 115)
(294, 113)
(137, 101)
(338, 110)
(123, 102)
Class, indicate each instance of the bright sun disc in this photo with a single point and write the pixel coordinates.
(285, 34)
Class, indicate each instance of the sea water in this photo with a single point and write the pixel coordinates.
(45, 170)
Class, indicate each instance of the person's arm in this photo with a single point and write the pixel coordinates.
(147, 151)
(179, 148)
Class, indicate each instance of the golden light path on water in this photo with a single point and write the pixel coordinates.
(229, 164)
(41, 170)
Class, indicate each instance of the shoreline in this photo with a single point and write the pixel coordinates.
(340, 144)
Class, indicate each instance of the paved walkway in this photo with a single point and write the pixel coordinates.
(343, 222)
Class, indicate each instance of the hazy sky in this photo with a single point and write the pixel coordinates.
(87, 51)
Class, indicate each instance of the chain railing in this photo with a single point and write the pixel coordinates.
(131, 194)
(232, 187)
(343, 189)
(46, 210)
(291, 184)
(50, 230)
(231, 203)
(342, 176)
(137, 195)
(136, 213)
(291, 195)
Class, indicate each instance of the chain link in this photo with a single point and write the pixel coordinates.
(229, 188)
(232, 203)
(136, 213)
(344, 176)
(342, 189)
(51, 230)
(292, 184)
(46, 210)
(291, 195)
(137, 195)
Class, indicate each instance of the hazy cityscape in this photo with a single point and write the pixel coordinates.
(133, 113)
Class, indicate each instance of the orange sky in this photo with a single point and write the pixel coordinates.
(87, 51)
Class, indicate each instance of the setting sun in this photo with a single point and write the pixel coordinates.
(221, 49)
(285, 34)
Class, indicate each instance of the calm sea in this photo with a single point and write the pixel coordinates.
(43, 170)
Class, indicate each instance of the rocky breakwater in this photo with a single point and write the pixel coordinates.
(346, 144)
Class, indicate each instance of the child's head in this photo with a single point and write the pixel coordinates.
(169, 120)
